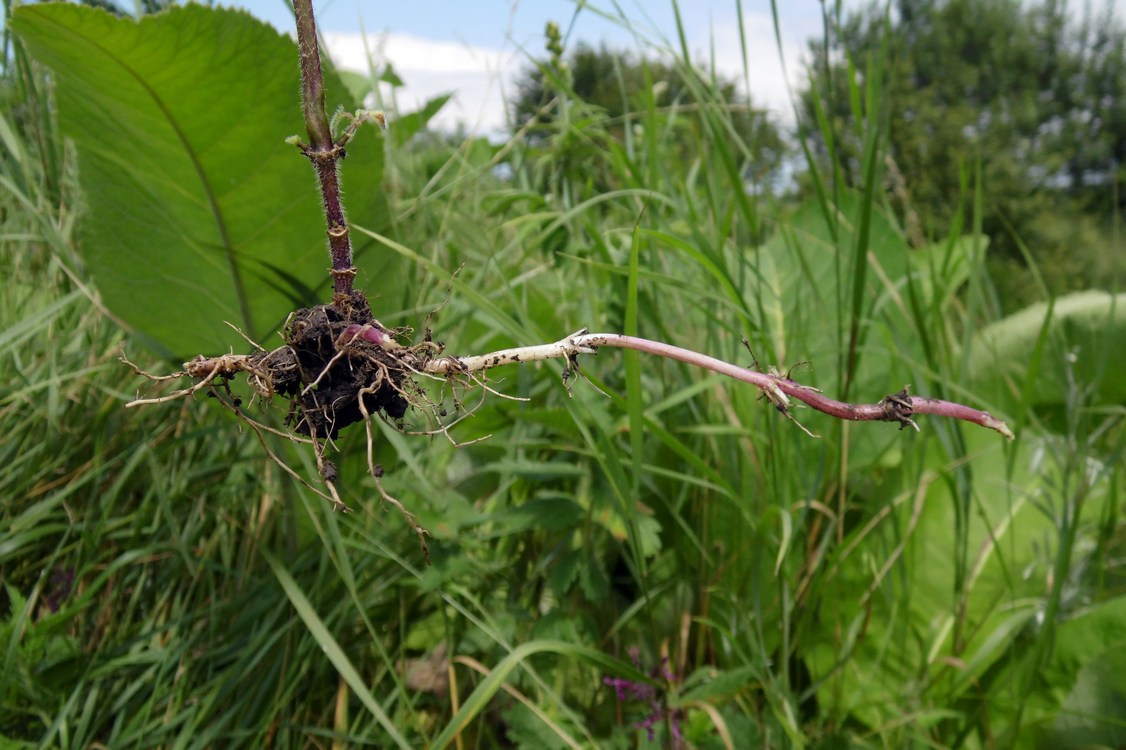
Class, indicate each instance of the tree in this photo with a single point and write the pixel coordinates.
(1034, 97)
(618, 87)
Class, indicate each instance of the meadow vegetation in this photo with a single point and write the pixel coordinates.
(653, 557)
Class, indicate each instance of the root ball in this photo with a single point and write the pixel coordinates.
(325, 373)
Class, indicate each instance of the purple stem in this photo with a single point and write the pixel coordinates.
(886, 410)
(322, 151)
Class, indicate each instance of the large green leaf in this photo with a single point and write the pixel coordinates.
(802, 285)
(1084, 345)
(1078, 698)
(895, 585)
(802, 309)
(197, 212)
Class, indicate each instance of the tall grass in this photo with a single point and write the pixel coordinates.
(658, 533)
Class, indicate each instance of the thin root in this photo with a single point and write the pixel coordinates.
(183, 393)
(376, 473)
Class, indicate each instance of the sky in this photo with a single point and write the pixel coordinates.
(476, 49)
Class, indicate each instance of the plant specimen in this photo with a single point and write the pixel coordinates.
(339, 365)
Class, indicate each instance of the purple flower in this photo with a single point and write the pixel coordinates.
(59, 587)
(630, 691)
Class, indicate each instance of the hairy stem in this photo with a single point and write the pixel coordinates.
(322, 151)
(897, 407)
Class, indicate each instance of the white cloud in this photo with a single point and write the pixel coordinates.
(428, 68)
(479, 76)
(765, 74)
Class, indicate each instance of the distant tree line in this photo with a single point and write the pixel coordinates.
(1030, 93)
(620, 86)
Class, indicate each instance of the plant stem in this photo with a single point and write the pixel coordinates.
(897, 407)
(322, 151)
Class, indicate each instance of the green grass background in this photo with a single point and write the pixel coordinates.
(166, 585)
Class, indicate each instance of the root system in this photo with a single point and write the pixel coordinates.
(331, 361)
(337, 366)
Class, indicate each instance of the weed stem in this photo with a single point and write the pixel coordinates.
(897, 407)
(322, 151)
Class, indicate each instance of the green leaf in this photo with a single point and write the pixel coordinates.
(715, 686)
(390, 76)
(562, 574)
(1086, 344)
(526, 729)
(408, 125)
(359, 85)
(898, 582)
(549, 514)
(801, 292)
(1080, 695)
(497, 677)
(804, 311)
(197, 210)
(332, 649)
(941, 268)
(1092, 714)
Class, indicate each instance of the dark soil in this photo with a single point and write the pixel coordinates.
(311, 340)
